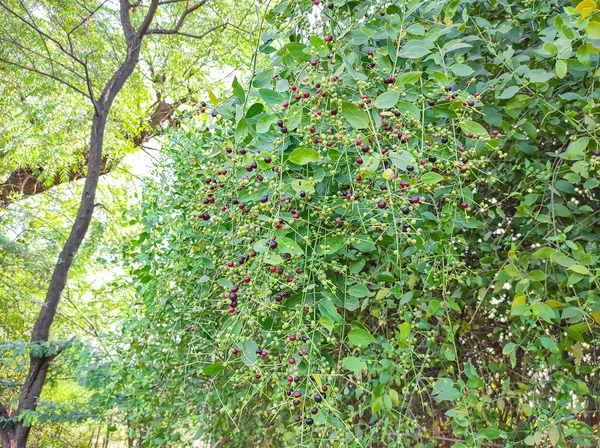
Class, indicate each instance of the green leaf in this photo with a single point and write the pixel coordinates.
(441, 78)
(431, 178)
(249, 353)
(508, 93)
(404, 330)
(408, 78)
(282, 85)
(554, 435)
(394, 396)
(561, 68)
(387, 99)
(539, 75)
(444, 390)
(549, 343)
(579, 269)
(213, 369)
(296, 50)
(417, 29)
(302, 156)
(288, 246)
(359, 337)
(319, 44)
(327, 308)
(359, 291)
(543, 311)
(509, 348)
(357, 117)
(326, 322)
(536, 276)
(271, 97)
(264, 124)
(263, 78)
(549, 47)
(576, 149)
(238, 90)
(462, 70)
(414, 49)
(241, 131)
(593, 30)
(272, 258)
(330, 245)
(376, 405)
(354, 364)
(590, 183)
(544, 252)
(472, 127)
(401, 159)
(358, 37)
(294, 117)
(303, 185)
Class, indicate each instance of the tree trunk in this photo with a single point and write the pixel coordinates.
(8, 440)
(38, 369)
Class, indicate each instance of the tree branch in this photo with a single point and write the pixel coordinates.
(182, 18)
(90, 87)
(25, 50)
(200, 36)
(126, 20)
(42, 33)
(56, 78)
(148, 19)
(89, 16)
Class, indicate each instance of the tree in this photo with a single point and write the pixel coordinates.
(44, 141)
(388, 237)
(52, 40)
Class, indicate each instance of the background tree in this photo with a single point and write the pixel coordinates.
(75, 46)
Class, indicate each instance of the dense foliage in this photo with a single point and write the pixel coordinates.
(389, 238)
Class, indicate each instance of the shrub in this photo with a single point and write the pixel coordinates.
(389, 239)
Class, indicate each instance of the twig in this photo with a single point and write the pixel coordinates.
(56, 78)
(182, 18)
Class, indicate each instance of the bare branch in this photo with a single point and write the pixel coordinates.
(148, 19)
(200, 36)
(56, 78)
(182, 18)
